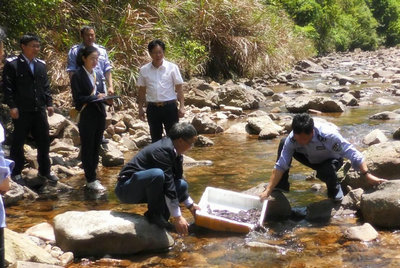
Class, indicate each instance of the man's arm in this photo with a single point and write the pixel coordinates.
(181, 99)
(109, 82)
(141, 101)
(9, 80)
(273, 181)
(371, 179)
(47, 93)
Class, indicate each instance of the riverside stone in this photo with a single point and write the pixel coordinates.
(374, 137)
(364, 232)
(96, 233)
(324, 104)
(110, 155)
(43, 231)
(57, 123)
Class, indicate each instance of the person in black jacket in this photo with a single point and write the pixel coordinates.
(88, 93)
(27, 92)
(154, 176)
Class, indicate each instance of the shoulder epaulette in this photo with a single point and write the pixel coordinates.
(42, 61)
(292, 139)
(101, 46)
(11, 59)
(321, 138)
(75, 46)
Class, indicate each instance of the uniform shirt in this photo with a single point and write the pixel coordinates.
(30, 63)
(326, 143)
(102, 66)
(162, 155)
(5, 171)
(160, 82)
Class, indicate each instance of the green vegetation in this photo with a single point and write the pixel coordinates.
(218, 38)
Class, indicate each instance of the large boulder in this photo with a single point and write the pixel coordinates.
(110, 155)
(382, 207)
(383, 159)
(364, 232)
(240, 96)
(374, 137)
(204, 125)
(97, 233)
(301, 104)
(256, 124)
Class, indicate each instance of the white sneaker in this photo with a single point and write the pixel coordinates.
(95, 186)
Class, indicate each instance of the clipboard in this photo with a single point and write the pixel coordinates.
(106, 98)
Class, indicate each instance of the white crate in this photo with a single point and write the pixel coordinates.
(221, 199)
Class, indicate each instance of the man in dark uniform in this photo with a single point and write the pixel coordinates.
(27, 92)
(154, 176)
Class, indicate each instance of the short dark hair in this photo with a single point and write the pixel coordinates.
(86, 28)
(302, 123)
(2, 35)
(182, 130)
(84, 52)
(154, 43)
(28, 37)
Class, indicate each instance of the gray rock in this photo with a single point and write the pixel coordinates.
(320, 211)
(349, 100)
(232, 109)
(309, 66)
(256, 124)
(301, 104)
(203, 141)
(240, 96)
(204, 125)
(71, 131)
(278, 207)
(96, 233)
(344, 80)
(396, 134)
(382, 207)
(269, 133)
(374, 137)
(57, 123)
(239, 128)
(43, 231)
(352, 199)
(364, 232)
(15, 194)
(110, 155)
(385, 116)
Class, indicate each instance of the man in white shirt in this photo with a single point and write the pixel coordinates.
(160, 85)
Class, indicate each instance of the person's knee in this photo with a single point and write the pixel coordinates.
(158, 175)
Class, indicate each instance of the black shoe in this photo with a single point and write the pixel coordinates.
(18, 179)
(159, 221)
(51, 178)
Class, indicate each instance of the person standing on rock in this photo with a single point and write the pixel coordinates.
(104, 67)
(320, 147)
(155, 176)
(160, 84)
(27, 92)
(88, 93)
(5, 173)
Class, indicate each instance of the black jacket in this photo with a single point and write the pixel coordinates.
(162, 155)
(82, 89)
(23, 89)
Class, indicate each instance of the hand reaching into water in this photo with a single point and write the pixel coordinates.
(373, 180)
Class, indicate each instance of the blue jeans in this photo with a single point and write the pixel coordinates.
(148, 187)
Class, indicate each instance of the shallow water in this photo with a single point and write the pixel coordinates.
(241, 162)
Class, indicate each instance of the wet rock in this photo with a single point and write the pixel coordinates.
(385, 116)
(268, 133)
(344, 80)
(43, 231)
(239, 128)
(18, 247)
(302, 91)
(383, 159)
(191, 162)
(231, 109)
(383, 101)
(277, 97)
(374, 137)
(96, 233)
(57, 123)
(204, 125)
(396, 134)
(324, 104)
(349, 100)
(381, 207)
(257, 124)
(15, 194)
(364, 232)
(309, 67)
(256, 190)
(267, 92)
(203, 141)
(352, 199)
(320, 211)
(383, 73)
(278, 207)
(262, 245)
(110, 155)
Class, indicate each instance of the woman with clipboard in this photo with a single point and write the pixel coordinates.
(88, 95)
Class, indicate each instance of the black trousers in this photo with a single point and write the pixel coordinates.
(326, 171)
(157, 116)
(35, 123)
(91, 126)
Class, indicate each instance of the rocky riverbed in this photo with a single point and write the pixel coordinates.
(242, 121)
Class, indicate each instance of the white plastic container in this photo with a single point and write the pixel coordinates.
(215, 198)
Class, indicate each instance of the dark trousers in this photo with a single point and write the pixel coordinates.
(148, 187)
(91, 126)
(157, 116)
(2, 247)
(35, 123)
(326, 171)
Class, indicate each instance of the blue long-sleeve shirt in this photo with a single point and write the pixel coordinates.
(326, 143)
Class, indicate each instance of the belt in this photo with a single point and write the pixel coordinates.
(161, 103)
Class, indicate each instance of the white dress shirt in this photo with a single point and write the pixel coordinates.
(160, 82)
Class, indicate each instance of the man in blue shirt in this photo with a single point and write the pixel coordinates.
(320, 147)
(104, 66)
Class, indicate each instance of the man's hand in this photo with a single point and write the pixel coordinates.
(373, 180)
(181, 225)
(50, 110)
(110, 90)
(141, 114)
(14, 113)
(194, 208)
(101, 95)
(264, 195)
(181, 112)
